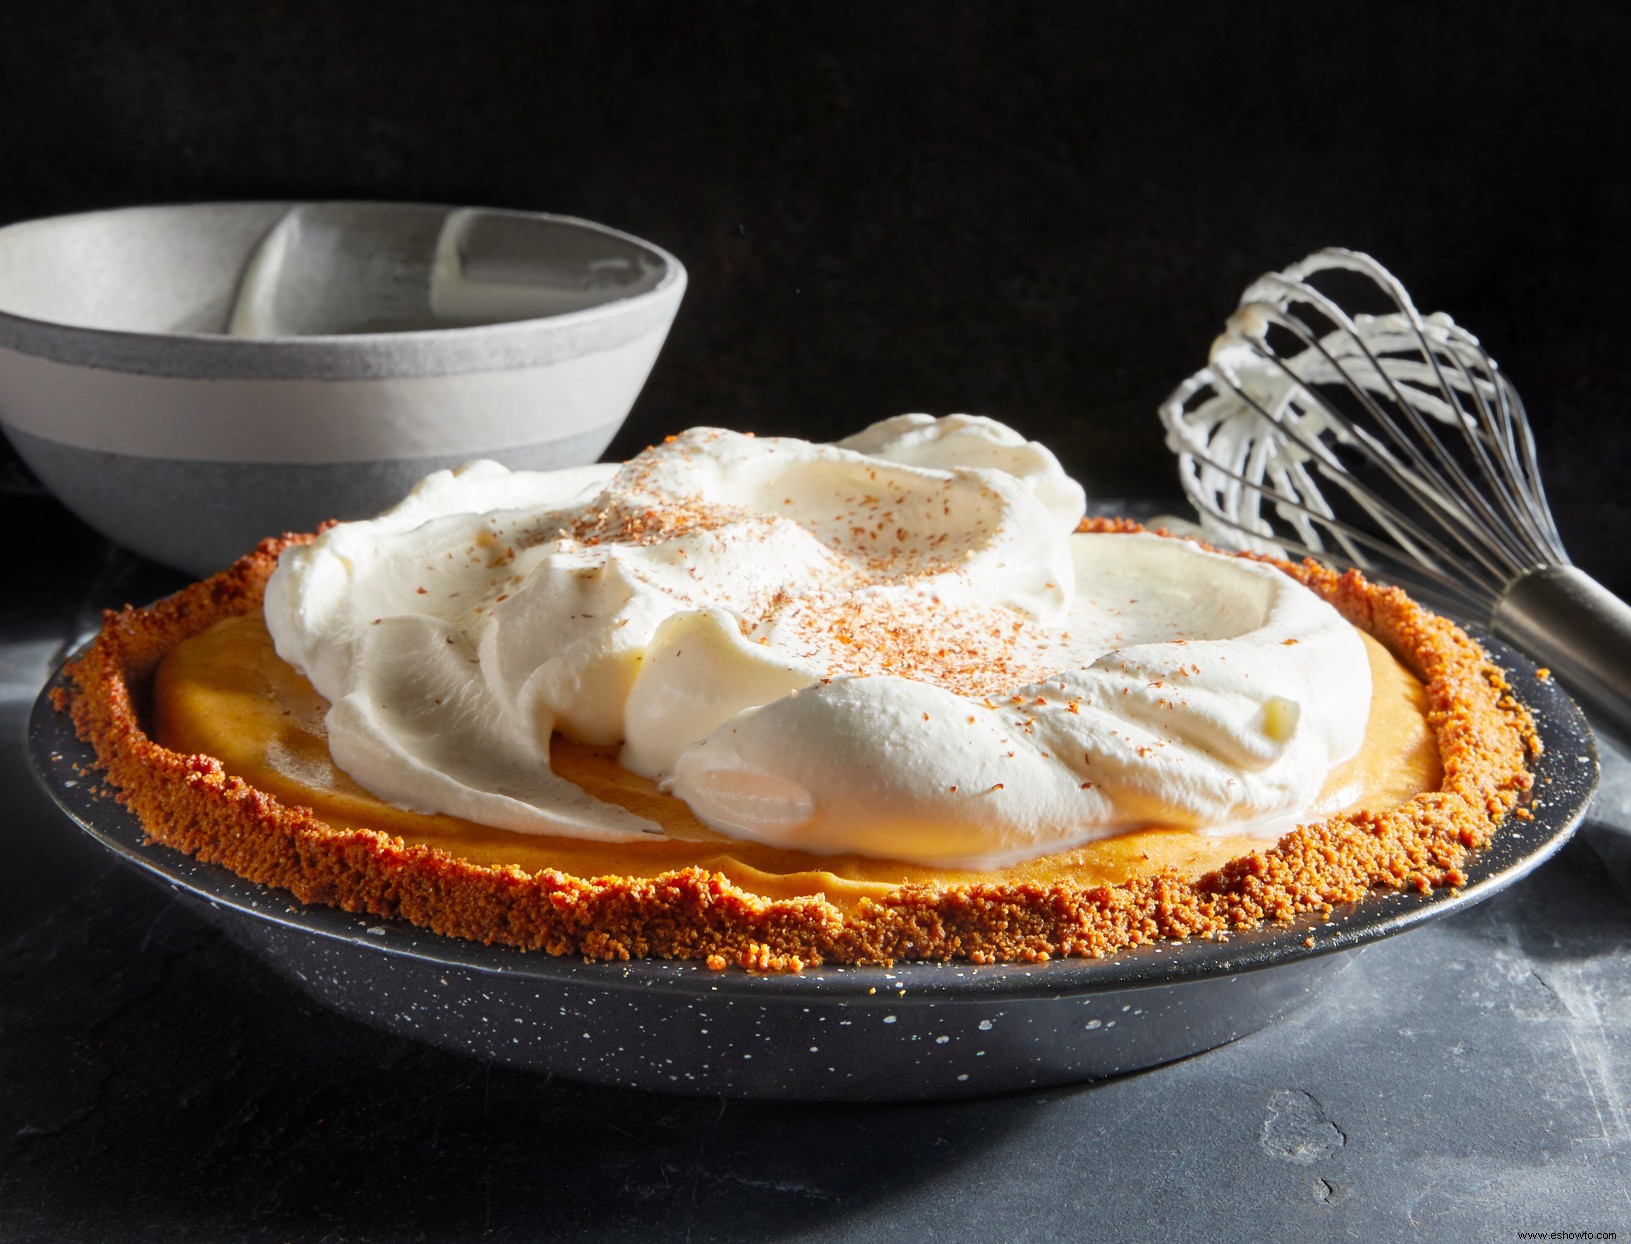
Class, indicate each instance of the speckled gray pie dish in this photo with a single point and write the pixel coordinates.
(189, 379)
(916, 1031)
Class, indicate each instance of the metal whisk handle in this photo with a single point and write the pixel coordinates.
(1579, 629)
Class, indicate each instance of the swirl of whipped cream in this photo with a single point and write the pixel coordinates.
(895, 646)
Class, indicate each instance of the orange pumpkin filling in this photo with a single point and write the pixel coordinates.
(226, 694)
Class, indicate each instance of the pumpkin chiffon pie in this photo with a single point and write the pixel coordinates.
(220, 747)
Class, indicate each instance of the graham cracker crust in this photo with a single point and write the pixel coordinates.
(190, 803)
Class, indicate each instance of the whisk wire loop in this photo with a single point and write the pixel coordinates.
(1307, 500)
(1393, 443)
(1411, 481)
(1309, 503)
(1477, 498)
(1447, 410)
(1514, 495)
(1307, 409)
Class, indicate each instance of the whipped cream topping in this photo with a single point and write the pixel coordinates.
(896, 645)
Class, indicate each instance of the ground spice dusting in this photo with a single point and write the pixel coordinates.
(190, 803)
(973, 650)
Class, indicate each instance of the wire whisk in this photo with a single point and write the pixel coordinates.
(1390, 440)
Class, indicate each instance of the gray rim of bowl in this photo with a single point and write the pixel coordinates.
(360, 356)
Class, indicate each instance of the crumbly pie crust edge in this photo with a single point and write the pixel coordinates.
(1485, 738)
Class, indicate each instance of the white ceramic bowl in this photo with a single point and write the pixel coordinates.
(189, 379)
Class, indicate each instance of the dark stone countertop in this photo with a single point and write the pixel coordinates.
(1469, 1080)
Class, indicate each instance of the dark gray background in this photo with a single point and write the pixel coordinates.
(1037, 211)
(1041, 212)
